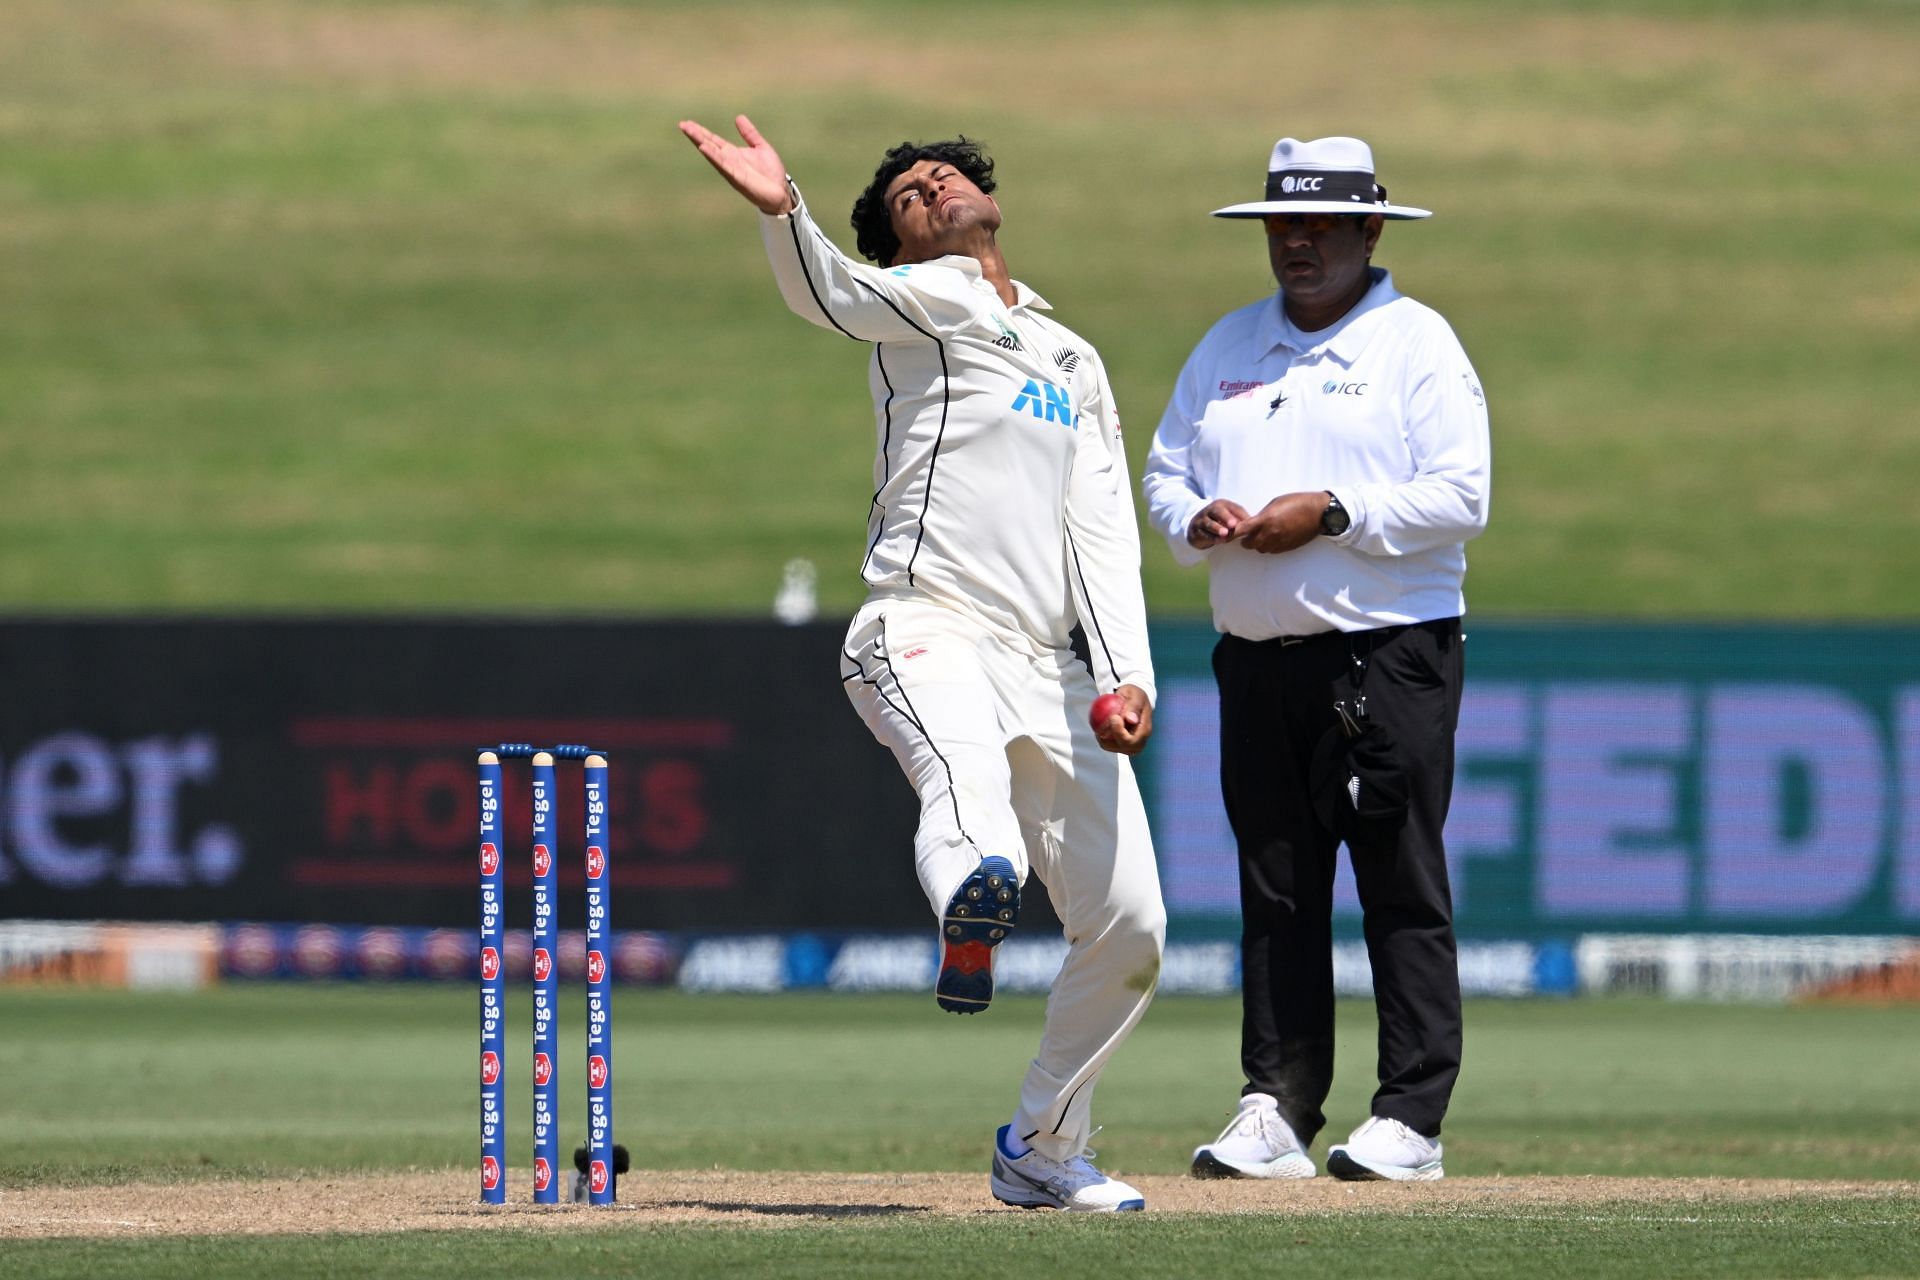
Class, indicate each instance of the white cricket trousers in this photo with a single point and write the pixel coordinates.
(996, 742)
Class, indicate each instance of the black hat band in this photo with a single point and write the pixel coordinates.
(1320, 184)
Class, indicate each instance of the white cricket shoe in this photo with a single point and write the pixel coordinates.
(1033, 1181)
(1383, 1148)
(1259, 1143)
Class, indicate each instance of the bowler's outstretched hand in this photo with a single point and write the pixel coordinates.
(754, 170)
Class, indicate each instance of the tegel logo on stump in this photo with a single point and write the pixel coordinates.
(489, 859)
(542, 860)
(596, 967)
(489, 963)
(542, 964)
(542, 1068)
(542, 1174)
(596, 862)
(489, 1067)
(597, 1071)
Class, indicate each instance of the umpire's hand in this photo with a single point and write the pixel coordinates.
(1215, 524)
(1289, 521)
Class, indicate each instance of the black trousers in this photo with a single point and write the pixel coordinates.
(1276, 701)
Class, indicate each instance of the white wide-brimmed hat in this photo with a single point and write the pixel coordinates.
(1327, 175)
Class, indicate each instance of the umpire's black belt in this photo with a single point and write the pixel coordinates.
(1375, 635)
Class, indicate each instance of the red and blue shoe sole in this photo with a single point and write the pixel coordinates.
(980, 915)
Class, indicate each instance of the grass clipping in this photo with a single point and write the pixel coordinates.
(448, 1200)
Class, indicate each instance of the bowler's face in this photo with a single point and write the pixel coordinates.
(935, 208)
(1320, 259)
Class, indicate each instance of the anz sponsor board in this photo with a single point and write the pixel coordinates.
(1723, 786)
(1769, 967)
(906, 963)
(1486, 969)
(756, 963)
(884, 964)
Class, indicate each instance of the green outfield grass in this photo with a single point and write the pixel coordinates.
(274, 1080)
(361, 305)
(1797, 1238)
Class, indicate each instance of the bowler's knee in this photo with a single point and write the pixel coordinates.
(1137, 936)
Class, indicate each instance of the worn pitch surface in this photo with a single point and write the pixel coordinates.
(447, 1200)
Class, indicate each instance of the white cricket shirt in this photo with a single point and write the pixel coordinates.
(1000, 483)
(1383, 409)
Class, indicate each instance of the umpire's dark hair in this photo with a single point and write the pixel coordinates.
(873, 222)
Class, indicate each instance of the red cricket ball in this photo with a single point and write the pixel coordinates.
(1105, 708)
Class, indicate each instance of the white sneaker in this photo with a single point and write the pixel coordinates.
(1259, 1143)
(1033, 1181)
(1383, 1148)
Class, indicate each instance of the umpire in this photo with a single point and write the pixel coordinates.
(1325, 454)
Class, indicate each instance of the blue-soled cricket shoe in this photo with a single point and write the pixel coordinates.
(1033, 1181)
(980, 915)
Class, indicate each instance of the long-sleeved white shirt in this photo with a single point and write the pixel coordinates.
(1381, 408)
(1000, 483)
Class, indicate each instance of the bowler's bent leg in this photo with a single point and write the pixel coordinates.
(929, 685)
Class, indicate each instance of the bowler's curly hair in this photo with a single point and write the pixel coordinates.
(873, 223)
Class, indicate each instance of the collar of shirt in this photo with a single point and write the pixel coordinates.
(970, 267)
(1344, 339)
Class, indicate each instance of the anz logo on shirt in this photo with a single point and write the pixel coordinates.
(1046, 402)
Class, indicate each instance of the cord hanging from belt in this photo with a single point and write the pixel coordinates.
(1352, 710)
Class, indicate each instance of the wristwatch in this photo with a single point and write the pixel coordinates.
(1334, 521)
